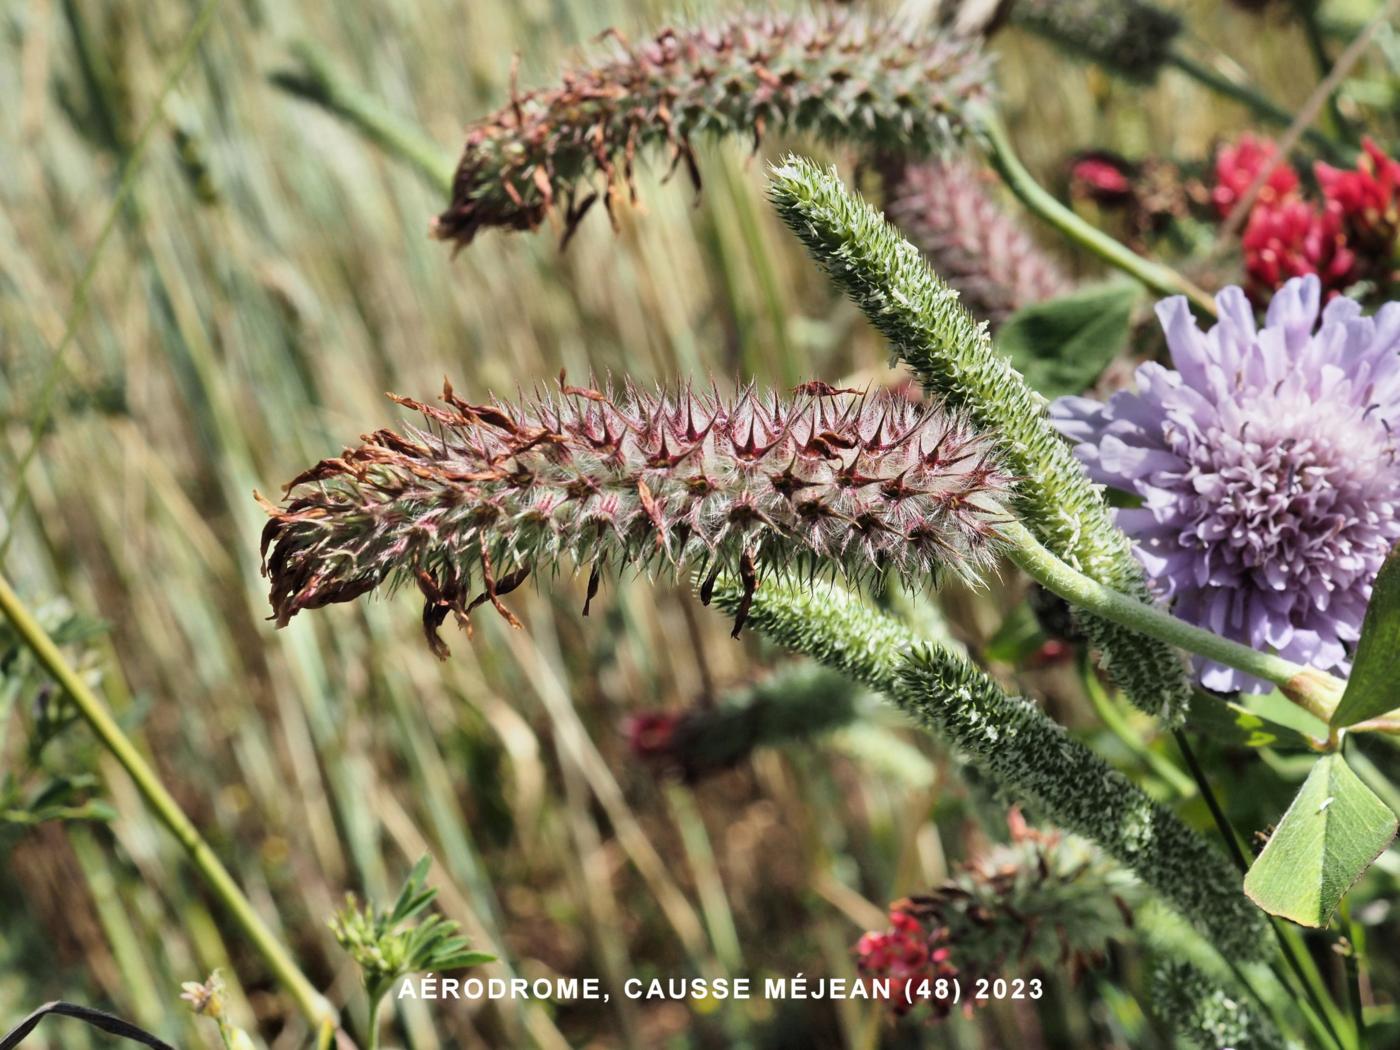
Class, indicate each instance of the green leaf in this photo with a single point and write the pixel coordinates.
(1230, 723)
(1017, 639)
(1062, 345)
(1333, 830)
(1374, 685)
(463, 960)
(413, 898)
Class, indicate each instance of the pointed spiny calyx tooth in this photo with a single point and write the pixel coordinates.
(488, 494)
(889, 88)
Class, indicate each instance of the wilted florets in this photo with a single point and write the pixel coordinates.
(486, 494)
(838, 76)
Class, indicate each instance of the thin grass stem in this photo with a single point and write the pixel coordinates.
(317, 1010)
(77, 309)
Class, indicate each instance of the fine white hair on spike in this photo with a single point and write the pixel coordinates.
(824, 481)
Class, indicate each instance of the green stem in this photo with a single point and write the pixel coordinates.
(1315, 1009)
(1153, 275)
(1295, 952)
(1217, 812)
(1114, 722)
(375, 1004)
(1255, 102)
(1314, 691)
(166, 809)
(318, 81)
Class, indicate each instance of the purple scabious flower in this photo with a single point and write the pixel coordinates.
(1267, 468)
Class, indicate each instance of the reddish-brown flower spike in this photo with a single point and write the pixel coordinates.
(484, 495)
(944, 208)
(841, 77)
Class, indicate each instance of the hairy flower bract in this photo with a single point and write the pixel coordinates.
(1266, 466)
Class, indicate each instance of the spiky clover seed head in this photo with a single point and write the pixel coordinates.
(824, 482)
(840, 76)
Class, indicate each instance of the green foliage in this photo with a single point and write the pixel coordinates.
(1373, 687)
(57, 797)
(1060, 346)
(1231, 723)
(386, 946)
(1206, 1013)
(1035, 761)
(1130, 37)
(44, 786)
(952, 354)
(1015, 745)
(1333, 830)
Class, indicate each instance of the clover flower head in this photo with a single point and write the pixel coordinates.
(839, 76)
(1368, 199)
(946, 209)
(1102, 178)
(1266, 463)
(828, 481)
(1294, 238)
(1239, 163)
(907, 954)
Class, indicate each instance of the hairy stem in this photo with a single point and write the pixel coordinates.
(1314, 691)
(166, 809)
(1154, 276)
(1315, 1001)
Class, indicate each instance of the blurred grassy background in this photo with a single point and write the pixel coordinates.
(269, 279)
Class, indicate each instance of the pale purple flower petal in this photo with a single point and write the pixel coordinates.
(1268, 468)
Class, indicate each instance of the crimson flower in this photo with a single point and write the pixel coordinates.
(1237, 166)
(1294, 238)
